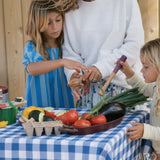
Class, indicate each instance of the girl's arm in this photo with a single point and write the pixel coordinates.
(38, 68)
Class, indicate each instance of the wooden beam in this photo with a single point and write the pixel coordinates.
(14, 47)
(3, 61)
(150, 16)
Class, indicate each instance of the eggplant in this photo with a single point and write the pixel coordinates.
(113, 110)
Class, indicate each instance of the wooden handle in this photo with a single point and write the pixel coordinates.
(106, 84)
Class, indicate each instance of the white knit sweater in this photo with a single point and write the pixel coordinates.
(99, 32)
(152, 130)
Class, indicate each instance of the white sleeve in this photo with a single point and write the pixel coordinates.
(69, 52)
(133, 41)
(151, 132)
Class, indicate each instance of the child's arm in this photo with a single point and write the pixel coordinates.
(38, 68)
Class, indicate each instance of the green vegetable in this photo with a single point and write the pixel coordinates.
(129, 98)
(41, 115)
(34, 114)
(47, 118)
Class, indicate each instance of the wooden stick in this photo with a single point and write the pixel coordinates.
(118, 66)
(107, 83)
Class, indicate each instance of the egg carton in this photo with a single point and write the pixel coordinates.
(39, 128)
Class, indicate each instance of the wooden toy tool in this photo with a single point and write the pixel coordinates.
(116, 69)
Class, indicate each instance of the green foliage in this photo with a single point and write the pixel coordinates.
(129, 98)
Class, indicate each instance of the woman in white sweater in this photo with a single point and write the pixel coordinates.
(98, 33)
(150, 58)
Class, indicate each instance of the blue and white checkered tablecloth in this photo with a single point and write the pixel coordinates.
(108, 145)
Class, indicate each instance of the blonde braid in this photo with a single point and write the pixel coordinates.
(66, 5)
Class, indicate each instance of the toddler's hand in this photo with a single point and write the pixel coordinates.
(126, 69)
(136, 131)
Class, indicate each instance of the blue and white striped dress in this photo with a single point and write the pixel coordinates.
(49, 89)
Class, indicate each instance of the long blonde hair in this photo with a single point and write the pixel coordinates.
(38, 19)
(151, 52)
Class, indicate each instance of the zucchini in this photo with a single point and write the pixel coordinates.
(39, 116)
(112, 110)
(47, 118)
(34, 114)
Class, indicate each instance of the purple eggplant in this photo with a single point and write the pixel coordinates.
(113, 110)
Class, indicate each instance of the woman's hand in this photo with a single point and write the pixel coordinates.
(86, 85)
(76, 90)
(71, 64)
(136, 131)
(93, 75)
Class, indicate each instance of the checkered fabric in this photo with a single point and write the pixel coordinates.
(107, 145)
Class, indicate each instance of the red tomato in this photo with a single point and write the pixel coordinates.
(81, 123)
(100, 119)
(84, 116)
(69, 117)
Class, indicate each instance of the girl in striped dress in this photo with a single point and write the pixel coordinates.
(46, 84)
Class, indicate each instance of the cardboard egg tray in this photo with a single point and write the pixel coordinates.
(39, 128)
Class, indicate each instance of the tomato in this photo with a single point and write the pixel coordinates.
(69, 117)
(81, 123)
(100, 119)
(87, 116)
